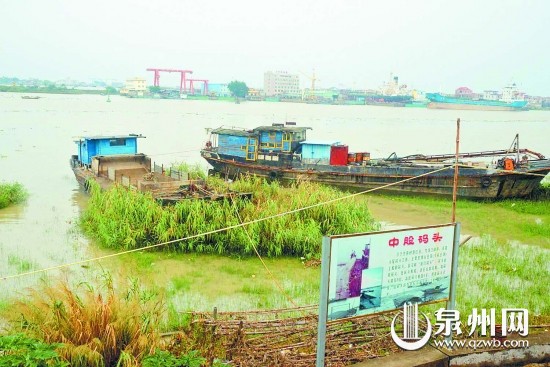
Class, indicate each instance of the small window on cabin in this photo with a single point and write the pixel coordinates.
(117, 142)
(272, 135)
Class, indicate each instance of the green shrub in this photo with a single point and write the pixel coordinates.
(166, 359)
(11, 193)
(126, 219)
(18, 350)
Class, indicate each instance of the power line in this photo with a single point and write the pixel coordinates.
(13, 276)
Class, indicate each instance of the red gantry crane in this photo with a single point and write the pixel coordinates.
(183, 83)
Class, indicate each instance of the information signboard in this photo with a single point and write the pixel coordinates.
(382, 271)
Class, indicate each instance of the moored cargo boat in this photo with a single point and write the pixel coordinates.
(112, 160)
(283, 152)
(464, 99)
(439, 101)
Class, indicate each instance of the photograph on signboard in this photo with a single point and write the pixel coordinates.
(340, 309)
(384, 270)
(371, 288)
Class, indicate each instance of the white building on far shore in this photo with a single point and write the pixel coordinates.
(281, 83)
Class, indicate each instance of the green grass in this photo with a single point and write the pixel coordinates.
(518, 220)
(204, 281)
(180, 284)
(256, 290)
(20, 264)
(503, 275)
(195, 171)
(12, 193)
(124, 219)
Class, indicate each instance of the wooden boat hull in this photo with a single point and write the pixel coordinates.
(133, 172)
(473, 107)
(475, 183)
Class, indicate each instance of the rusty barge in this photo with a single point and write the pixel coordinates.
(282, 152)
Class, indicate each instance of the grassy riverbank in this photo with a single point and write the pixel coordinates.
(515, 220)
(505, 266)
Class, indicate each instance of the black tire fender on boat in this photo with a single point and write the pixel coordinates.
(273, 175)
(486, 181)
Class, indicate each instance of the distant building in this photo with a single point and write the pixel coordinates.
(134, 87)
(255, 94)
(218, 89)
(281, 83)
(491, 95)
(464, 92)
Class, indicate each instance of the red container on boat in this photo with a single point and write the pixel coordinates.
(338, 155)
(351, 158)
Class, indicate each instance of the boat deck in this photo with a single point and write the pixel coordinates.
(167, 189)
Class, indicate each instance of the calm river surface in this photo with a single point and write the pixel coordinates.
(36, 142)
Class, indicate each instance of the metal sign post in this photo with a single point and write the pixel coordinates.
(451, 303)
(323, 303)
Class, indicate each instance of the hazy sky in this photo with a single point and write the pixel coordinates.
(430, 45)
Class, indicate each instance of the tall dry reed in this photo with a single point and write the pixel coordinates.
(98, 326)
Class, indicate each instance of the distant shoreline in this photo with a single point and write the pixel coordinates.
(8, 89)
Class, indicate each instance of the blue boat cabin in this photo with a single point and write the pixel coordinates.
(89, 147)
(280, 138)
(251, 145)
(317, 152)
(282, 144)
(237, 143)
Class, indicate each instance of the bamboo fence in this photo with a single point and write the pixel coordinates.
(288, 337)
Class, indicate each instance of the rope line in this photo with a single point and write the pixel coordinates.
(80, 262)
(183, 151)
(273, 278)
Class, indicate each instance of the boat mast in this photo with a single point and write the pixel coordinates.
(517, 148)
(514, 147)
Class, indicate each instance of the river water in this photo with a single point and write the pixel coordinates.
(36, 142)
